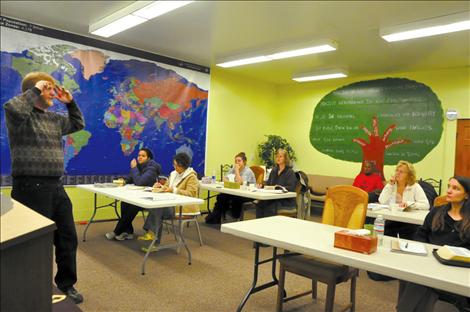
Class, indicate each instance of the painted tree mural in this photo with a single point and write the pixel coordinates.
(406, 118)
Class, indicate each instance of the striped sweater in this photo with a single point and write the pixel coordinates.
(35, 136)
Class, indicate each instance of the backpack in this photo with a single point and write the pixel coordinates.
(303, 195)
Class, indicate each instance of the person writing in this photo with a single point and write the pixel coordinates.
(36, 148)
(402, 190)
(232, 203)
(144, 172)
(445, 225)
(283, 175)
(183, 181)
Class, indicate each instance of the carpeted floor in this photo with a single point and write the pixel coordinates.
(221, 271)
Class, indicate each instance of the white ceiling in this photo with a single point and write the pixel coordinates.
(206, 31)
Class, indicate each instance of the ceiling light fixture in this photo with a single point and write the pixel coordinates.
(429, 27)
(133, 15)
(331, 46)
(320, 75)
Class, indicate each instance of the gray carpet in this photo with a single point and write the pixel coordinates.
(221, 272)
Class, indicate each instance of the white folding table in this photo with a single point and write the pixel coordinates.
(259, 194)
(317, 240)
(412, 217)
(145, 199)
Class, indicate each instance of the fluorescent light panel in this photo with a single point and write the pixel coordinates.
(279, 55)
(132, 15)
(320, 75)
(159, 8)
(426, 28)
(119, 25)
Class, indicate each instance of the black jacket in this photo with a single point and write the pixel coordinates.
(449, 235)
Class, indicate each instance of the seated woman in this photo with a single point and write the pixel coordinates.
(144, 172)
(444, 225)
(224, 201)
(282, 174)
(183, 181)
(403, 190)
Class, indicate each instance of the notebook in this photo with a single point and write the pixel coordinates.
(414, 248)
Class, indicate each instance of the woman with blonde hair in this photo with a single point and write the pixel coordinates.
(403, 190)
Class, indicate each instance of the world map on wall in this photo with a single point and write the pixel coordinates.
(127, 103)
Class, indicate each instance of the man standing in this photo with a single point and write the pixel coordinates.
(35, 137)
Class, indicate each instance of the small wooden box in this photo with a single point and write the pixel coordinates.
(232, 185)
(362, 244)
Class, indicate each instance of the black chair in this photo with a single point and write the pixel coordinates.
(429, 190)
(436, 184)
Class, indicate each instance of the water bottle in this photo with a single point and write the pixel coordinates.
(379, 228)
(213, 176)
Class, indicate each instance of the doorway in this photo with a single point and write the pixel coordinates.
(462, 148)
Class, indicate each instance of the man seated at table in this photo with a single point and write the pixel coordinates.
(226, 202)
(369, 181)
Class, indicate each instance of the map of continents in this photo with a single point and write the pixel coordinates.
(127, 104)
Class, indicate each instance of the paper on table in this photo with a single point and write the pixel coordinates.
(268, 191)
(135, 187)
(160, 196)
(416, 248)
(377, 206)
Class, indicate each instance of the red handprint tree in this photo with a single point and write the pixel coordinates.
(406, 115)
(374, 150)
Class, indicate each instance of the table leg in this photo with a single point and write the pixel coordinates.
(179, 241)
(254, 289)
(95, 208)
(149, 250)
(180, 234)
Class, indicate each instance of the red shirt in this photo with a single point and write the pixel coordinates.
(368, 183)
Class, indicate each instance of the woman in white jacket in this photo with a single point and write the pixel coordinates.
(403, 190)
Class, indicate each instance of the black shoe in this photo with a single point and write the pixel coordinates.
(73, 294)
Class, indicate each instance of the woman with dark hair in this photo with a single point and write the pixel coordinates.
(444, 225)
(282, 174)
(144, 172)
(232, 203)
(183, 181)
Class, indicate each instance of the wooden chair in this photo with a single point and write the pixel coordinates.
(440, 200)
(345, 206)
(259, 174)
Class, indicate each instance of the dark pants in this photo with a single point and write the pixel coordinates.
(415, 298)
(231, 203)
(128, 213)
(224, 203)
(269, 208)
(47, 196)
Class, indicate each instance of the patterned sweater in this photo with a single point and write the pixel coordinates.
(35, 136)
